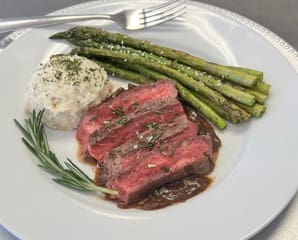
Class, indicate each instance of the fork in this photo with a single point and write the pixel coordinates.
(128, 19)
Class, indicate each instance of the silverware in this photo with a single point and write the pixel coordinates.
(128, 19)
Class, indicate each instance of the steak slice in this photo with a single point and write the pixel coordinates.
(124, 128)
(126, 102)
(126, 156)
(168, 163)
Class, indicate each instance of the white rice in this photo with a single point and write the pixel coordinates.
(66, 87)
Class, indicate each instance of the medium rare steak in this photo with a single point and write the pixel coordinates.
(126, 156)
(122, 129)
(124, 103)
(165, 164)
(143, 138)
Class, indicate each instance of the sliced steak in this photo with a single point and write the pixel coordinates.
(142, 140)
(122, 129)
(126, 156)
(124, 103)
(168, 163)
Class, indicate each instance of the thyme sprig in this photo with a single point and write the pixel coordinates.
(67, 174)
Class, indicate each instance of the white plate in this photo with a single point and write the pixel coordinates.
(256, 173)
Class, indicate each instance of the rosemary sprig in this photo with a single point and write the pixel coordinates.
(67, 174)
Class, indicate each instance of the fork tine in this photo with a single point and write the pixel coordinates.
(164, 18)
(145, 10)
(162, 15)
(164, 9)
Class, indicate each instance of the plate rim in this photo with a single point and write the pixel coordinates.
(282, 45)
(289, 52)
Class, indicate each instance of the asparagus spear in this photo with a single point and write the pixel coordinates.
(222, 112)
(244, 95)
(128, 75)
(211, 81)
(202, 107)
(216, 84)
(146, 72)
(260, 97)
(262, 87)
(198, 87)
(257, 110)
(250, 71)
(99, 35)
(123, 73)
(155, 76)
(187, 96)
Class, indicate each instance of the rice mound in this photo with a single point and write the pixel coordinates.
(66, 87)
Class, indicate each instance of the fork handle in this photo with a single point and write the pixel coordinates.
(11, 24)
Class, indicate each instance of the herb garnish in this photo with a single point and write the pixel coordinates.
(152, 139)
(123, 120)
(67, 174)
(165, 168)
(119, 111)
(71, 65)
(152, 125)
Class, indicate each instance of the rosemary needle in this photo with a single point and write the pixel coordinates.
(67, 174)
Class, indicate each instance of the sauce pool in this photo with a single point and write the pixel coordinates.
(174, 192)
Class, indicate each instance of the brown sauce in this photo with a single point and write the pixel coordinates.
(174, 192)
(97, 172)
(85, 157)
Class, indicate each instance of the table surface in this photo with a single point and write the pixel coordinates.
(279, 16)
